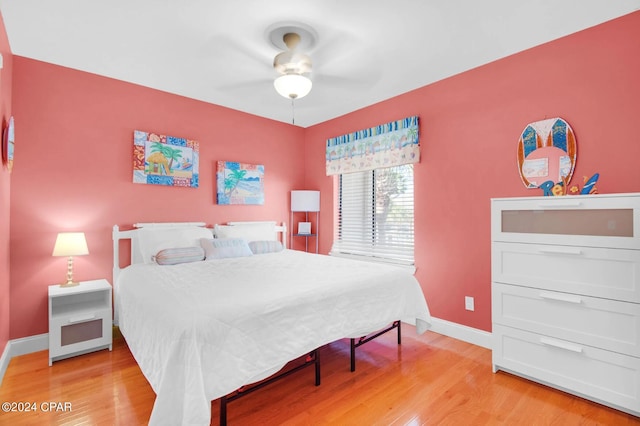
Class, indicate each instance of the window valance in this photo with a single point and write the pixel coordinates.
(386, 145)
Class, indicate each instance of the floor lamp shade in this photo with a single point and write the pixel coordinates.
(305, 201)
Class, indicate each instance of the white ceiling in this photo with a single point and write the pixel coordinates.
(218, 51)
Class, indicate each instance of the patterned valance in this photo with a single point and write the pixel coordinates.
(386, 145)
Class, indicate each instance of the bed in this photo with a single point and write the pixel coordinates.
(202, 329)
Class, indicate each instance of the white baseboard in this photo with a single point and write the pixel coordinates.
(461, 332)
(4, 360)
(23, 346)
(27, 345)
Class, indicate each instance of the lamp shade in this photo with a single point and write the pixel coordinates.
(294, 86)
(70, 244)
(305, 201)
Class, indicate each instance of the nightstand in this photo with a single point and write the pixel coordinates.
(79, 319)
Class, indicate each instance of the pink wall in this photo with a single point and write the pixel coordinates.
(5, 188)
(73, 157)
(470, 124)
(73, 171)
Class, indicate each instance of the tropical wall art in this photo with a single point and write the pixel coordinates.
(239, 183)
(165, 160)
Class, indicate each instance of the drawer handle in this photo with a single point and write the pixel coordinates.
(561, 345)
(560, 205)
(81, 318)
(561, 250)
(562, 297)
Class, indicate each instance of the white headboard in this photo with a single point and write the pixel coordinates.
(280, 234)
(136, 257)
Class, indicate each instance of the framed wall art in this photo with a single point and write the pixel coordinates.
(8, 145)
(165, 160)
(239, 183)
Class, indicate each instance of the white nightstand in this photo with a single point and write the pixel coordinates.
(79, 319)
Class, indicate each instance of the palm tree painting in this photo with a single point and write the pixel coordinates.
(165, 154)
(165, 160)
(239, 183)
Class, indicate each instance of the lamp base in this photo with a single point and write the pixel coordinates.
(70, 282)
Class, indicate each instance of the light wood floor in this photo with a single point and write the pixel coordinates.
(428, 380)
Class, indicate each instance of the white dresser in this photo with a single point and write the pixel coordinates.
(566, 294)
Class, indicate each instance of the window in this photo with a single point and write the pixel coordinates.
(375, 214)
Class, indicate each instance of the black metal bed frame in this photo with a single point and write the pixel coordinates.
(364, 339)
(313, 358)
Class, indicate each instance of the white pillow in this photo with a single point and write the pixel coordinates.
(247, 231)
(152, 240)
(266, 246)
(221, 248)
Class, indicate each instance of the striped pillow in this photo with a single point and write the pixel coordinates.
(265, 246)
(174, 256)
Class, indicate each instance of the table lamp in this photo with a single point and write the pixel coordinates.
(70, 244)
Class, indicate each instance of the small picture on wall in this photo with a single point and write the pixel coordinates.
(165, 160)
(239, 183)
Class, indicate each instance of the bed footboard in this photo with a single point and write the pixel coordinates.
(364, 339)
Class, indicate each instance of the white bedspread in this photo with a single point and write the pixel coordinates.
(201, 330)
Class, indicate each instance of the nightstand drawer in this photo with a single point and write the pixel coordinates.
(79, 333)
(594, 373)
(81, 318)
(603, 323)
(598, 272)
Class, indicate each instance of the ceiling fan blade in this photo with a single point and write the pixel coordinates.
(227, 52)
(340, 61)
(246, 85)
(232, 65)
(323, 81)
(338, 47)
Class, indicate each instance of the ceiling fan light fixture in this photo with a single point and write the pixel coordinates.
(293, 86)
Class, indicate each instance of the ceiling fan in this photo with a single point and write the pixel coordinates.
(294, 67)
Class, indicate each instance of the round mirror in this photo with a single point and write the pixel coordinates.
(546, 152)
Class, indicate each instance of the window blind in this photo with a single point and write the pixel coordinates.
(375, 214)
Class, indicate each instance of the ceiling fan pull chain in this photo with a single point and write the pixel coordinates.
(293, 113)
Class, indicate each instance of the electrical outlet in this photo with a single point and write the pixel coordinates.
(468, 303)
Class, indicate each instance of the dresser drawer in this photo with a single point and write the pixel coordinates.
(608, 273)
(603, 323)
(593, 373)
(611, 220)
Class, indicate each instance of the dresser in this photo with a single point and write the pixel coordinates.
(566, 294)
